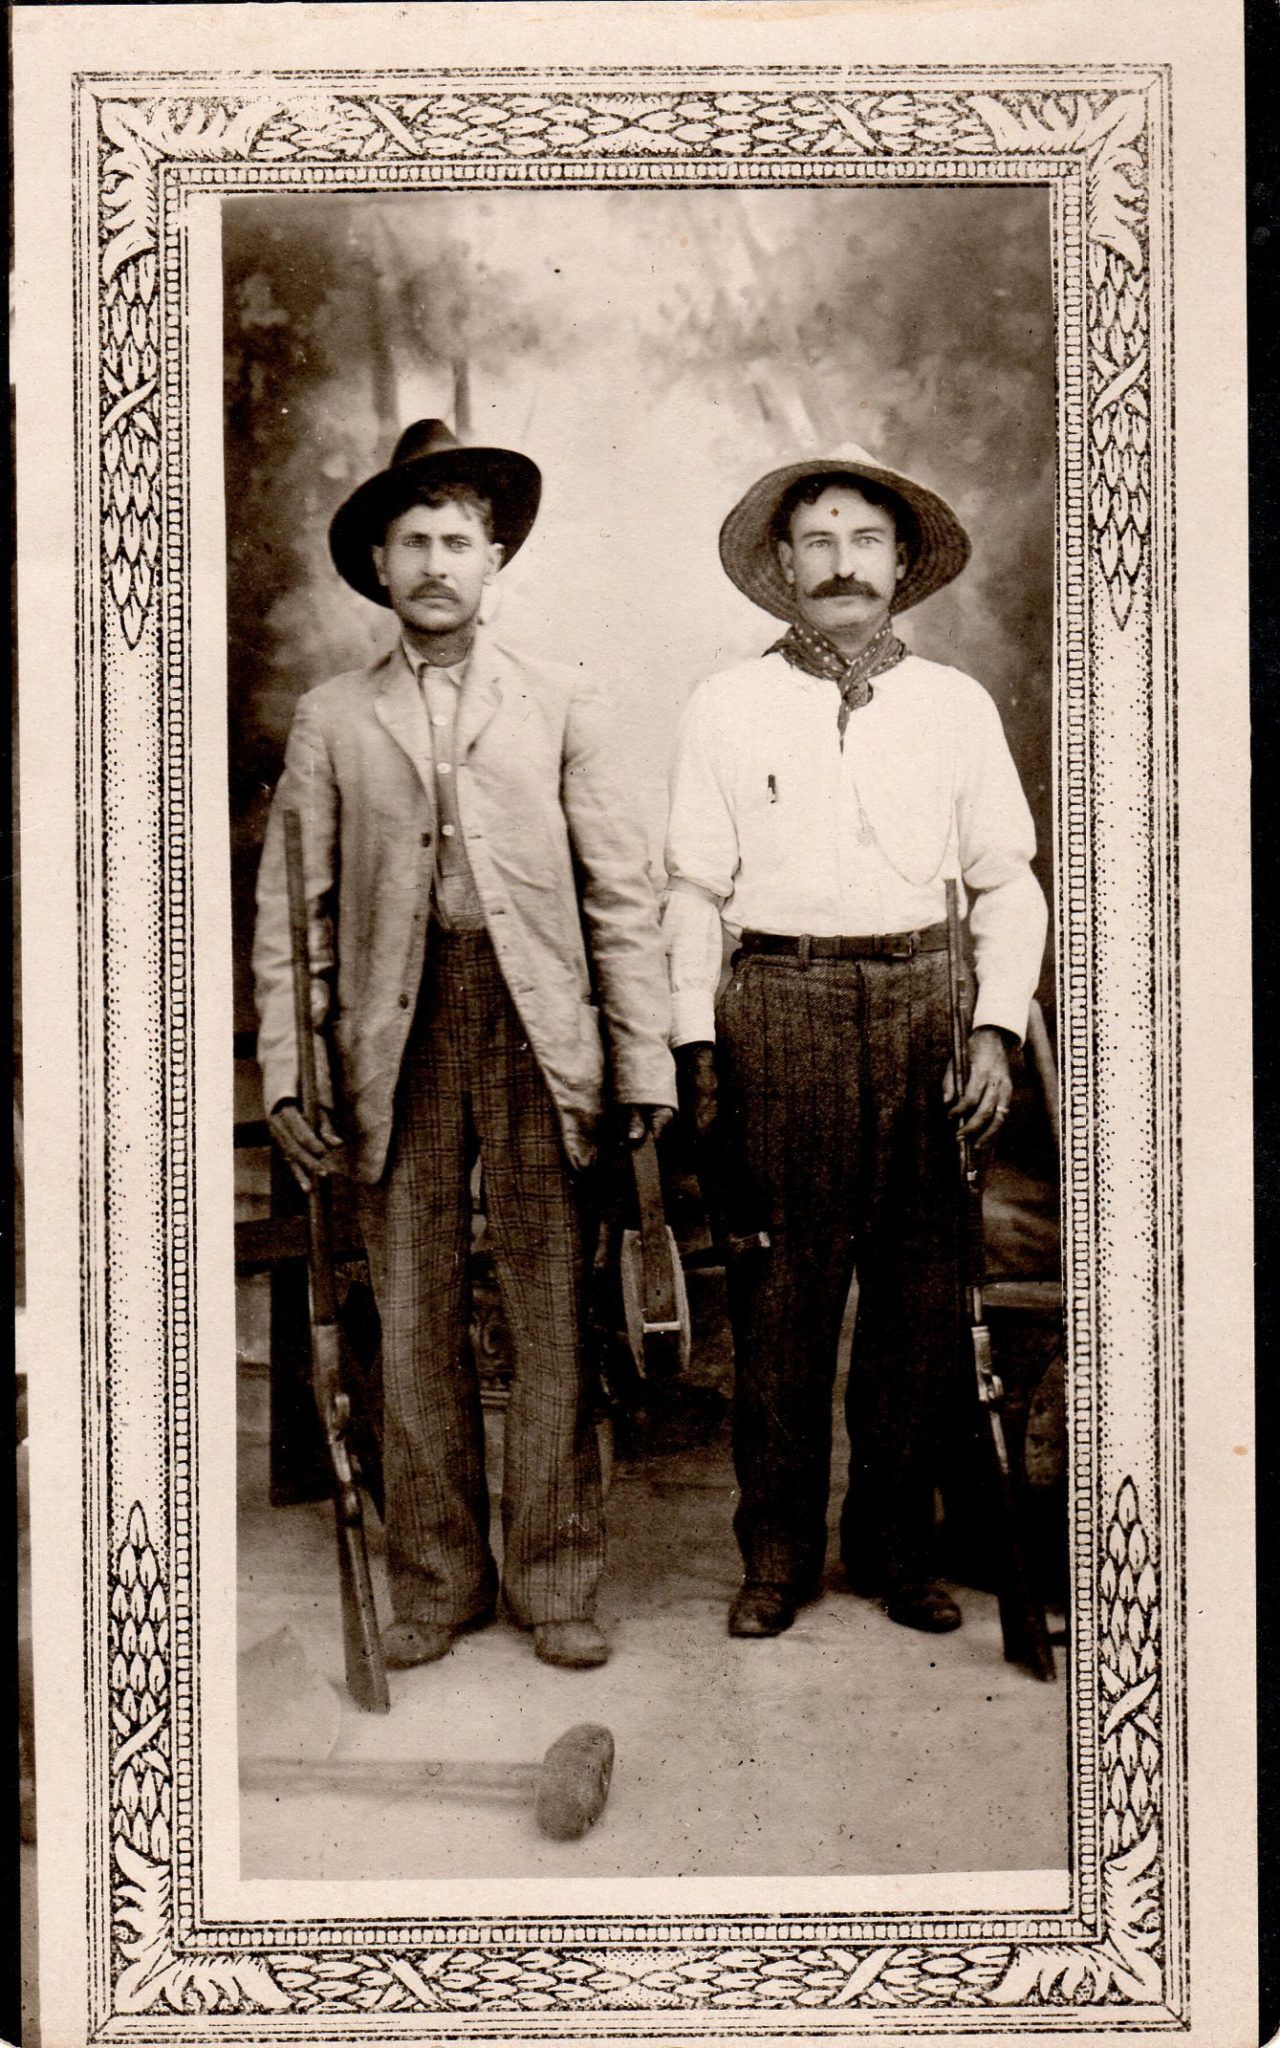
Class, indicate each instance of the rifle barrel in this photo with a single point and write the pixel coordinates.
(363, 1660)
(319, 1201)
(300, 946)
(959, 1040)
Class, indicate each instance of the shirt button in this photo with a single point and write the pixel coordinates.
(439, 718)
(446, 831)
(446, 767)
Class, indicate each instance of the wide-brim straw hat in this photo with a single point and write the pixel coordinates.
(427, 453)
(749, 551)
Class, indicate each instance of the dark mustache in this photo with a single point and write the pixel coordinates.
(843, 586)
(434, 590)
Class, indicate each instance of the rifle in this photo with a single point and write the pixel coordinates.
(361, 1643)
(1022, 1622)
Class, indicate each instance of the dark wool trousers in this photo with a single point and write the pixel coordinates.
(834, 1070)
(470, 1083)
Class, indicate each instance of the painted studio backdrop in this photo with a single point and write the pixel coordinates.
(653, 352)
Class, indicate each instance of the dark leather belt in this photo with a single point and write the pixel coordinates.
(880, 946)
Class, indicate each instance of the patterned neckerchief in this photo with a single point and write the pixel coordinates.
(808, 649)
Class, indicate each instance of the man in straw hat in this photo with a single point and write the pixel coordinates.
(469, 839)
(822, 795)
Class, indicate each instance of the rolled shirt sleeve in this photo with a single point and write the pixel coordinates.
(702, 861)
(996, 842)
(691, 924)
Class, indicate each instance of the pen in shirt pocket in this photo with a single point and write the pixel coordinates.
(773, 789)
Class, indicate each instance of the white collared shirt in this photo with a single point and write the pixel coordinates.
(774, 827)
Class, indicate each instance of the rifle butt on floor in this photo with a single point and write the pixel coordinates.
(1023, 1630)
(365, 1665)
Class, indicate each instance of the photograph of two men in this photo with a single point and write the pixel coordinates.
(640, 627)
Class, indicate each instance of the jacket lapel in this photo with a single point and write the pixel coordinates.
(481, 693)
(400, 710)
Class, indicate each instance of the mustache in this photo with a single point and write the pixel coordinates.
(843, 586)
(431, 587)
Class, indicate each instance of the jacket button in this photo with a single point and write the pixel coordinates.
(404, 1002)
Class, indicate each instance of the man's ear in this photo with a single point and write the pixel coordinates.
(787, 558)
(379, 558)
(903, 563)
(497, 556)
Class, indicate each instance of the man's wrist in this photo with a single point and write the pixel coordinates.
(693, 1016)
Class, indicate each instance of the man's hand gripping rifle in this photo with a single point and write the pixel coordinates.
(362, 1645)
(1022, 1623)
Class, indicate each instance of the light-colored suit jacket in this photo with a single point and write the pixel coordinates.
(559, 862)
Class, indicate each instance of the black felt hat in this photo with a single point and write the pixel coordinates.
(427, 453)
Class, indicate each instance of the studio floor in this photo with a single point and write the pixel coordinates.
(848, 1746)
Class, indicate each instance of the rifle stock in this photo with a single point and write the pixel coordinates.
(1022, 1623)
(366, 1670)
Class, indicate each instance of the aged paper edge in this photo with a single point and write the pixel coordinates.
(1122, 1962)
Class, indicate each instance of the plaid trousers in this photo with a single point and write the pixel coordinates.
(835, 1071)
(469, 1082)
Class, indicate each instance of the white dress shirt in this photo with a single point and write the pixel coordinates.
(774, 827)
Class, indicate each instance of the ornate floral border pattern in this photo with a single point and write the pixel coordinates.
(1100, 142)
(1105, 131)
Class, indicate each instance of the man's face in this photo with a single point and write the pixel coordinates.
(843, 562)
(434, 564)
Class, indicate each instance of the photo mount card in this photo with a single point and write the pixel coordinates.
(133, 126)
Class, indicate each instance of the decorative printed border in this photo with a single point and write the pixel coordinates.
(1100, 142)
(1103, 130)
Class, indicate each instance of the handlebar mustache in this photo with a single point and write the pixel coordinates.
(843, 586)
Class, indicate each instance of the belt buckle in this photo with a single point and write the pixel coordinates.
(903, 947)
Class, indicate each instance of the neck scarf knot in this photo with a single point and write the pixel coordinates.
(808, 649)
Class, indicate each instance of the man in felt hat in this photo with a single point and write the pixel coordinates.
(822, 796)
(477, 881)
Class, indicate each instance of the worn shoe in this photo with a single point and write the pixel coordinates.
(408, 1643)
(762, 1610)
(924, 1606)
(571, 1645)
